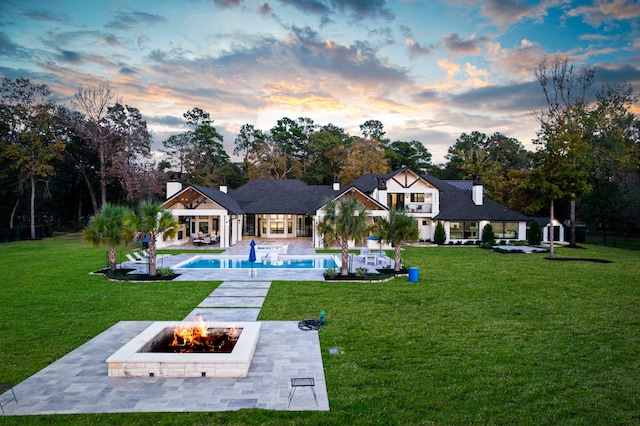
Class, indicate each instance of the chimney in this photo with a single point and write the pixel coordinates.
(477, 191)
(336, 182)
(382, 184)
(223, 184)
(173, 186)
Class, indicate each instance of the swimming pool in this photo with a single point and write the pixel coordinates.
(281, 262)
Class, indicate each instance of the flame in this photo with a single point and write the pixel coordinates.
(190, 333)
(188, 336)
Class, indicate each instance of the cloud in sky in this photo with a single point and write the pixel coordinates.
(428, 71)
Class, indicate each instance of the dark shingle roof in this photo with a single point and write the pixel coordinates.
(221, 198)
(292, 196)
(467, 185)
(459, 206)
(281, 196)
(367, 183)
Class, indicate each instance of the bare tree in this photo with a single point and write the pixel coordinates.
(93, 103)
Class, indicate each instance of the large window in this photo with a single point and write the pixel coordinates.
(304, 226)
(395, 201)
(463, 230)
(505, 230)
(417, 197)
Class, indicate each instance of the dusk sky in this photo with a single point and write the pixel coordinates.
(427, 70)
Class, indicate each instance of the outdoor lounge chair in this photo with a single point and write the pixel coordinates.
(142, 261)
(141, 256)
(145, 255)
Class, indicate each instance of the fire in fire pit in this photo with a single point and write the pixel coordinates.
(218, 349)
(196, 337)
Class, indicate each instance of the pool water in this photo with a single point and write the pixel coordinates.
(222, 263)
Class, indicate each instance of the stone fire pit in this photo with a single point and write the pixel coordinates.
(133, 360)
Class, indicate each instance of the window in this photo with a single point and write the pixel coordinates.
(203, 227)
(463, 230)
(505, 230)
(304, 226)
(248, 225)
(417, 197)
(395, 201)
(276, 228)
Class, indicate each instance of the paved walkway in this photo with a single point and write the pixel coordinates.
(78, 382)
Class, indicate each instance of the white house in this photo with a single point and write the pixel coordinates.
(289, 208)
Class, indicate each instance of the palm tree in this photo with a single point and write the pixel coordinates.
(107, 227)
(151, 221)
(398, 229)
(344, 221)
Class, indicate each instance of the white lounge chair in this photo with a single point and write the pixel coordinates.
(133, 260)
(141, 256)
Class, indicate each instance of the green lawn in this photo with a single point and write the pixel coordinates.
(482, 338)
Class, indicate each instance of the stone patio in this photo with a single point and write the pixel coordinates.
(78, 382)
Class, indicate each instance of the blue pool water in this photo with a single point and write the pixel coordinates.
(221, 263)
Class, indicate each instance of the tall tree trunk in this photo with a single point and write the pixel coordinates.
(552, 252)
(92, 193)
(33, 207)
(152, 254)
(398, 255)
(112, 257)
(103, 179)
(572, 235)
(79, 217)
(13, 213)
(344, 245)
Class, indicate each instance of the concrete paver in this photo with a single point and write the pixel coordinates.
(224, 314)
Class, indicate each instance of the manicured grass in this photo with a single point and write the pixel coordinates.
(482, 337)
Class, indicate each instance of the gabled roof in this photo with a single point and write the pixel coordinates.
(218, 197)
(369, 202)
(281, 196)
(455, 203)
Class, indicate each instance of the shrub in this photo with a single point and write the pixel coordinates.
(439, 236)
(488, 237)
(535, 234)
(361, 272)
(330, 272)
(165, 272)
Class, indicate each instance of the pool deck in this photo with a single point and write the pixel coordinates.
(297, 247)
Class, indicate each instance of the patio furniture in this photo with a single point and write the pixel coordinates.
(141, 256)
(5, 387)
(371, 259)
(132, 259)
(297, 382)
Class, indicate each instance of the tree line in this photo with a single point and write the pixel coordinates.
(61, 163)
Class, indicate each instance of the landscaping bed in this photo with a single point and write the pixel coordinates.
(124, 274)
